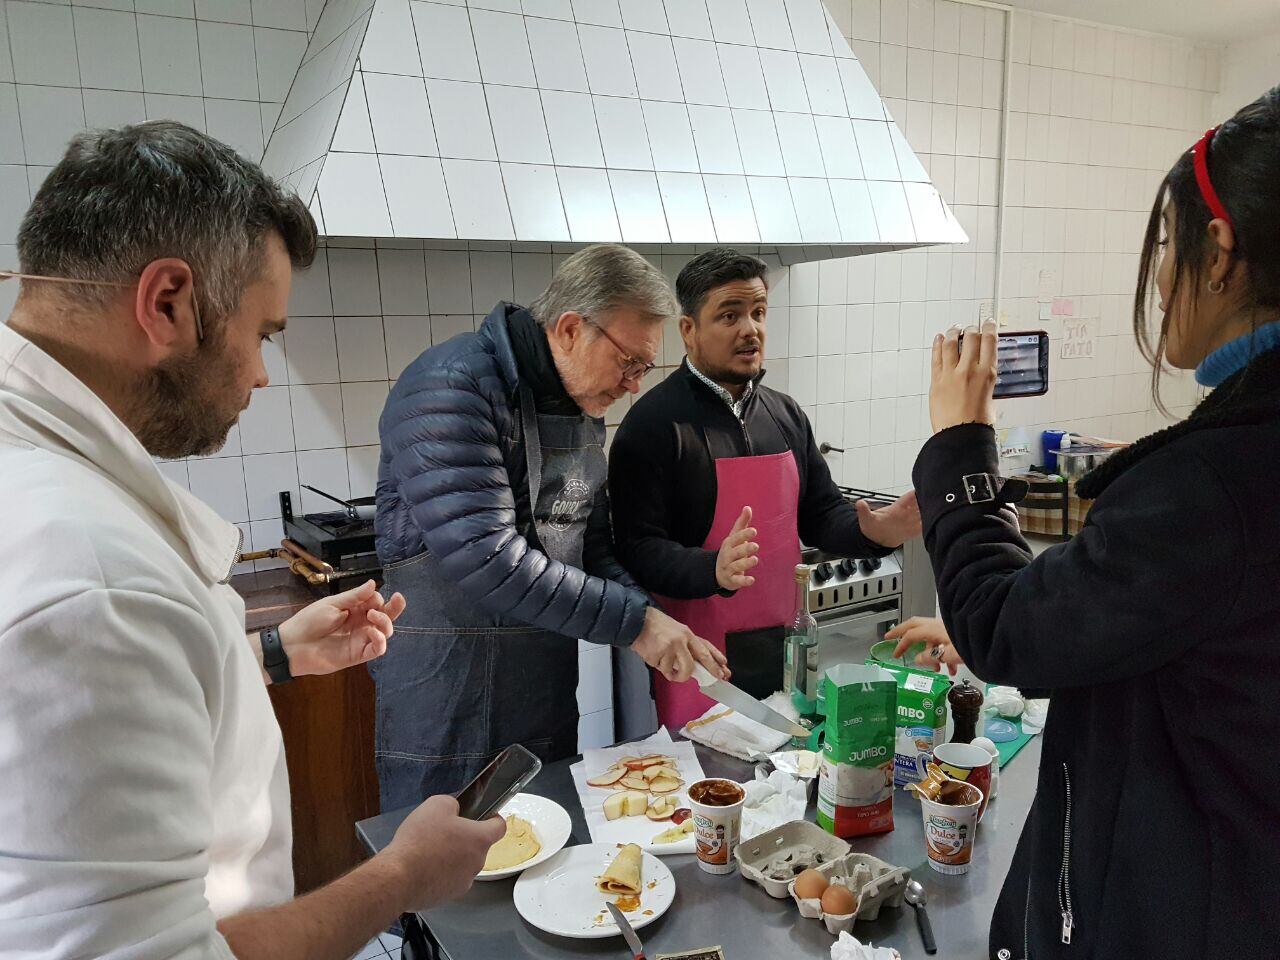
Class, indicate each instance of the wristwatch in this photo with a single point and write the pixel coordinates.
(274, 660)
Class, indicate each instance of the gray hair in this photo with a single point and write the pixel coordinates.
(120, 199)
(604, 277)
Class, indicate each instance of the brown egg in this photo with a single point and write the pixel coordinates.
(839, 901)
(810, 885)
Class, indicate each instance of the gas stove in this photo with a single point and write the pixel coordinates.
(837, 582)
(331, 550)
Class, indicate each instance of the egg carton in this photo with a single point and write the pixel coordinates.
(799, 842)
(875, 883)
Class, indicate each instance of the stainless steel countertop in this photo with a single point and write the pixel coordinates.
(739, 915)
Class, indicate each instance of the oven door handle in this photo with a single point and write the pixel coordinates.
(883, 615)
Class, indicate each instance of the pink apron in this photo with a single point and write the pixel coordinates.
(770, 485)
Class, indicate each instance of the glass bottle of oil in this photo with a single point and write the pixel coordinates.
(801, 667)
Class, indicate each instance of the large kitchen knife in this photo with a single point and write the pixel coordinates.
(722, 691)
(628, 934)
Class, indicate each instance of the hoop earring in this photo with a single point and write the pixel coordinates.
(1216, 286)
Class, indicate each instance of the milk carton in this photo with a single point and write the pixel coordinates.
(855, 781)
(921, 721)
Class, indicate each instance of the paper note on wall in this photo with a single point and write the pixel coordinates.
(1064, 307)
(1047, 286)
(1078, 336)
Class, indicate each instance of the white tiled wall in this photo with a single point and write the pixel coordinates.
(1097, 116)
(224, 68)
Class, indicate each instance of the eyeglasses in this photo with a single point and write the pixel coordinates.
(633, 368)
(195, 303)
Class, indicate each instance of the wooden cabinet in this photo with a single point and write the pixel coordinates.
(327, 724)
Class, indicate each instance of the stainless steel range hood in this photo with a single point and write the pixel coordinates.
(748, 122)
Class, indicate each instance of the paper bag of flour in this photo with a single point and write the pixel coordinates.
(855, 783)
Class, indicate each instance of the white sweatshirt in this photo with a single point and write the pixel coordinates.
(143, 791)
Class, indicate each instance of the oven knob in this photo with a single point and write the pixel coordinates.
(870, 564)
(846, 568)
(822, 572)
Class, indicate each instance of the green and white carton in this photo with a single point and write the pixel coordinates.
(921, 722)
(855, 780)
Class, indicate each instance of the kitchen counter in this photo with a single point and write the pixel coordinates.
(739, 915)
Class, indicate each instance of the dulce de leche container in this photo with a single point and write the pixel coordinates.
(717, 820)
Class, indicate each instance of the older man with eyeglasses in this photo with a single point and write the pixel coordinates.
(493, 521)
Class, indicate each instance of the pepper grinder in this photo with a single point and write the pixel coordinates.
(966, 707)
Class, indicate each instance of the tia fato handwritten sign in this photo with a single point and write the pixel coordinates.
(1078, 336)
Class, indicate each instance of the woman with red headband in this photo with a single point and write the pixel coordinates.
(1155, 831)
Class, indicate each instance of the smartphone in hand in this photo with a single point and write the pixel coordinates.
(508, 774)
(1022, 364)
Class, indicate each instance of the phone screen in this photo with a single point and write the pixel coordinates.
(497, 783)
(1022, 364)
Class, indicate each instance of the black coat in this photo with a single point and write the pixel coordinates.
(662, 481)
(1158, 805)
(453, 480)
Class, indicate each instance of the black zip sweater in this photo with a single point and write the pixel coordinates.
(1158, 802)
(662, 481)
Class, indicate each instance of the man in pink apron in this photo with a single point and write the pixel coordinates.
(715, 479)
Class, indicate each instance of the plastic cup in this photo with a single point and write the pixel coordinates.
(716, 824)
(964, 761)
(950, 829)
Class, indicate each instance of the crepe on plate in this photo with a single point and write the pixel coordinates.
(517, 845)
(623, 875)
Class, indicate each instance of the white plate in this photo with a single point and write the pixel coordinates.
(551, 825)
(560, 896)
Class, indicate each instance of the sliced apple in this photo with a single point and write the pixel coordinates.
(666, 770)
(681, 815)
(652, 760)
(615, 806)
(608, 778)
(688, 826)
(665, 785)
(661, 808)
(650, 772)
(636, 803)
(634, 781)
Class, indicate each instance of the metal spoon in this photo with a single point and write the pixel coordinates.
(915, 896)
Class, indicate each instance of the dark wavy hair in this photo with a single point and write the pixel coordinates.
(714, 268)
(1244, 162)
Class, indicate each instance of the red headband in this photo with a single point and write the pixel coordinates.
(1201, 154)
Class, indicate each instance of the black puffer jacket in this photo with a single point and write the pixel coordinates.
(453, 480)
(1156, 823)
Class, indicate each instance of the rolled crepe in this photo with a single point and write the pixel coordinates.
(623, 875)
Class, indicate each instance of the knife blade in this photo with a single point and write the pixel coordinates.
(628, 934)
(722, 691)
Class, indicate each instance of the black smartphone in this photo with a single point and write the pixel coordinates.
(1022, 364)
(508, 774)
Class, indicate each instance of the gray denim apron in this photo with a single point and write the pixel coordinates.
(458, 684)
